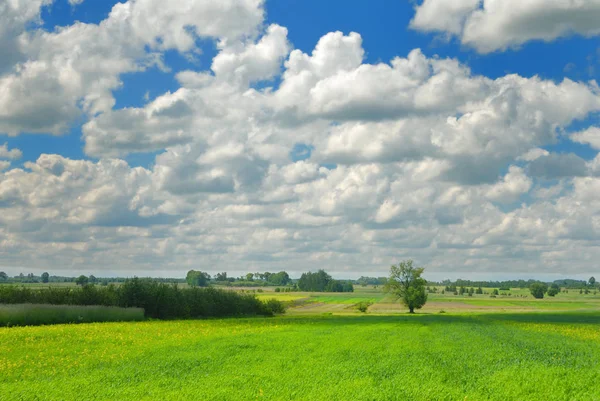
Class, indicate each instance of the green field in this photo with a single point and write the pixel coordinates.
(519, 301)
(423, 357)
(480, 348)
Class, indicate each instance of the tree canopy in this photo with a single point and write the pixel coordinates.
(406, 283)
(321, 282)
(538, 290)
(196, 278)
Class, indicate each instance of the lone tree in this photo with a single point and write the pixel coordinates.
(592, 281)
(45, 277)
(197, 278)
(407, 284)
(81, 280)
(538, 290)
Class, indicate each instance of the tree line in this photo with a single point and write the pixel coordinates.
(198, 278)
(159, 300)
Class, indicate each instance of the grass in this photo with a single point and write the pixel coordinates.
(32, 315)
(545, 356)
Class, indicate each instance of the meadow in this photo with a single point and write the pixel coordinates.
(456, 348)
(500, 356)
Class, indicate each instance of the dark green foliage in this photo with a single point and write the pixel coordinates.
(553, 290)
(479, 290)
(495, 292)
(197, 278)
(364, 281)
(45, 277)
(273, 307)
(33, 315)
(281, 278)
(592, 281)
(159, 300)
(221, 277)
(3, 276)
(407, 284)
(321, 282)
(538, 290)
(81, 280)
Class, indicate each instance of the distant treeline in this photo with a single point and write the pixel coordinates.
(202, 279)
(159, 300)
(508, 284)
(371, 280)
(47, 278)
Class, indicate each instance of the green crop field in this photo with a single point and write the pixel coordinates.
(546, 356)
(457, 347)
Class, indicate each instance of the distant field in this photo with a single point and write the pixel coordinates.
(345, 303)
(550, 356)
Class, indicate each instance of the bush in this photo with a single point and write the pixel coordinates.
(363, 306)
(274, 307)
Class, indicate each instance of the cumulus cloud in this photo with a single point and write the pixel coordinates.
(12, 154)
(489, 25)
(416, 157)
(590, 136)
(75, 68)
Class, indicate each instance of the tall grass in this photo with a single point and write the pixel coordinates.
(34, 315)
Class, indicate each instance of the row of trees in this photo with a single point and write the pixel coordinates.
(80, 280)
(159, 300)
(508, 284)
(198, 278)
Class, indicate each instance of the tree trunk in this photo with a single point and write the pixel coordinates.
(411, 309)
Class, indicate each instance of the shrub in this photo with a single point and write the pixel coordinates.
(363, 306)
(274, 307)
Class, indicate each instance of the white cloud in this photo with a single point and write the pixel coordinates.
(13, 154)
(417, 157)
(492, 25)
(75, 68)
(510, 189)
(590, 136)
(533, 154)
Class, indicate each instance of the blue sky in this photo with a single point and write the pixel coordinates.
(384, 26)
(257, 121)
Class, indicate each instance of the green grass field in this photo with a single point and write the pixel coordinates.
(480, 348)
(548, 356)
(520, 301)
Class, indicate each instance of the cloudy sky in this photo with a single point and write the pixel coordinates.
(149, 137)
